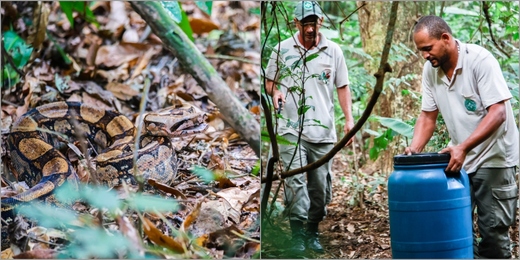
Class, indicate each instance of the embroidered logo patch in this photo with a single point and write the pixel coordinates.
(325, 76)
(307, 5)
(470, 105)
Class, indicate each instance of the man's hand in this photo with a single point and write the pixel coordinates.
(348, 126)
(458, 155)
(410, 150)
(278, 95)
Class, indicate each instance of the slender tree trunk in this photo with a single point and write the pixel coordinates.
(373, 18)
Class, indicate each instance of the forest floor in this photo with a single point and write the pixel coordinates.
(349, 231)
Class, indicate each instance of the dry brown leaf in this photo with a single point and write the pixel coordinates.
(7, 254)
(38, 30)
(234, 136)
(156, 236)
(117, 18)
(201, 25)
(351, 228)
(40, 238)
(253, 203)
(115, 55)
(191, 217)
(118, 74)
(121, 91)
(166, 189)
(223, 181)
(145, 59)
(130, 35)
(255, 110)
(37, 254)
(94, 89)
(222, 238)
(248, 250)
(237, 197)
(215, 163)
(201, 241)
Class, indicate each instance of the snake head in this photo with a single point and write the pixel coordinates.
(175, 122)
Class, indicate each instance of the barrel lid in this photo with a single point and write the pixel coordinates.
(421, 158)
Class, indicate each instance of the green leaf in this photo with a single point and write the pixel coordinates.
(148, 203)
(96, 196)
(311, 57)
(174, 9)
(47, 215)
(205, 6)
(296, 64)
(256, 168)
(68, 7)
(373, 153)
(372, 132)
(206, 175)
(16, 47)
(185, 25)
(279, 139)
(397, 125)
(90, 243)
(289, 57)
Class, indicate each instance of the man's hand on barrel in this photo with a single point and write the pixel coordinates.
(411, 150)
(457, 154)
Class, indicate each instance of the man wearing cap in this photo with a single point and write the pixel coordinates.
(303, 72)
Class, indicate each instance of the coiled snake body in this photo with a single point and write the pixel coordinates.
(34, 154)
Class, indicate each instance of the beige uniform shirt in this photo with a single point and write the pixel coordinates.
(317, 79)
(477, 83)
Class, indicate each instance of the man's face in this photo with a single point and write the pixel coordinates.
(432, 49)
(309, 27)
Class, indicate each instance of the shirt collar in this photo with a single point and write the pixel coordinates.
(321, 45)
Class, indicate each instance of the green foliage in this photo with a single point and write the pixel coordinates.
(69, 7)
(257, 168)
(396, 125)
(20, 53)
(279, 139)
(98, 243)
(380, 143)
(151, 203)
(206, 175)
(88, 239)
(96, 196)
(205, 6)
(179, 16)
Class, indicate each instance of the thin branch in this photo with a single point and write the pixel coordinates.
(346, 18)
(486, 6)
(384, 67)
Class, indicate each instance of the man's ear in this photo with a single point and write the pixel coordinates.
(445, 36)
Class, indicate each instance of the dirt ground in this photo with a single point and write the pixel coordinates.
(349, 231)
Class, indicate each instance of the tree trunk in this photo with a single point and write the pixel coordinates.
(192, 60)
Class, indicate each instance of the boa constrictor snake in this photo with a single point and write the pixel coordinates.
(37, 161)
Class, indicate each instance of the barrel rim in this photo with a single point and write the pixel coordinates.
(421, 158)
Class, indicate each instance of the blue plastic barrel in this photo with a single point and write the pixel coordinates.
(430, 210)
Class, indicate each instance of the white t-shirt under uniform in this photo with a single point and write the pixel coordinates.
(476, 84)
